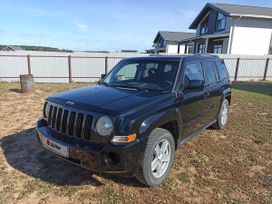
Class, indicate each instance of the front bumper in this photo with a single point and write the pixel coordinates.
(108, 158)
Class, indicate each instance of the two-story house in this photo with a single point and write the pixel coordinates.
(232, 29)
(170, 42)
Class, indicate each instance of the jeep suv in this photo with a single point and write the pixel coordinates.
(135, 118)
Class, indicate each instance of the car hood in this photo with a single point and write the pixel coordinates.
(111, 100)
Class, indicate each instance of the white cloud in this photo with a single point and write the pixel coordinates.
(83, 28)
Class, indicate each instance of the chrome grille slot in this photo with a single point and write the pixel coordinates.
(88, 127)
(78, 126)
(71, 123)
(50, 115)
(64, 121)
(58, 122)
(54, 117)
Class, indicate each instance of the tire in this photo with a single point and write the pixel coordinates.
(222, 123)
(158, 141)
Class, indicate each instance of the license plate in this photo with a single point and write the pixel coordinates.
(55, 147)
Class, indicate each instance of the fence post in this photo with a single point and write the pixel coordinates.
(28, 64)
(237, 69)
(106, 64)
(266, 69)
(70, 68)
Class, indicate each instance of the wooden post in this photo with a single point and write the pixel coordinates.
(70, 68)
(237, 69)
(28, 65)
(266, 69)
(106, 64)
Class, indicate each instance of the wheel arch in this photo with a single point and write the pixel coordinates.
(172, 124)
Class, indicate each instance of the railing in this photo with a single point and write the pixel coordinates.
(65, 67)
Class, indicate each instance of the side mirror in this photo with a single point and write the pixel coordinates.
(195, 85)
(102, 76)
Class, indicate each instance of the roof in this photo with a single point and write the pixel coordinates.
(13, 47)
(233, 10)
(172, 57)
(215, 35)
(173, 36)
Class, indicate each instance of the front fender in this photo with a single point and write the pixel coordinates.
(157, 120)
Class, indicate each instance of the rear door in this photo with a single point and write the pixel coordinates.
(212, 92)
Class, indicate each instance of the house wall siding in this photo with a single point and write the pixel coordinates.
(251, 36)
(181, 49)
(172, 48)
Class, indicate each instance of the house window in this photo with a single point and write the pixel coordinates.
(204, 27)
(190, 48)
(220, 22)
(161, 43)
(218, 46)
(201, 48)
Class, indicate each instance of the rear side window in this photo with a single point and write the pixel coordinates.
(209, 72)
(222, 70)
(193, 71)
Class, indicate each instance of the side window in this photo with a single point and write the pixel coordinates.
(209, 72)
(222, 70)
(193, 71)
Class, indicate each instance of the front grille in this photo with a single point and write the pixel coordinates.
(74, 124)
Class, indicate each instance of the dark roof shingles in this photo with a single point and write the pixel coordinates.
(174, 36)
(244, 9)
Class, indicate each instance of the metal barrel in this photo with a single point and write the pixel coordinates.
(27, 83)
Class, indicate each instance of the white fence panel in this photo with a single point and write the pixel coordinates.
(50, 69)
(12, 67)
(87, 67)
(269, 71)
(231, 66)
(251, 69)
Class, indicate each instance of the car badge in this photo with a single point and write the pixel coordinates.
(70, 103)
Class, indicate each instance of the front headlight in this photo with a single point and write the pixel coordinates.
(104, 126)
(46, 110)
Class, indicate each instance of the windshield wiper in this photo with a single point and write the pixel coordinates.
(130, 87)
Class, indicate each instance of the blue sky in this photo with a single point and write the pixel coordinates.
(97, 25)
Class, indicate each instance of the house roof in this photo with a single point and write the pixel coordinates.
(173, 36)
(233, 10)
(13, 47)
(216, 35)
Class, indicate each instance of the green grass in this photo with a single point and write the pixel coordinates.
(184, 177)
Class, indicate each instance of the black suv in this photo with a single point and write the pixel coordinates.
(137, 115)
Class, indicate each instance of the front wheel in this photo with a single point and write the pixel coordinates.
(222, 118)
(158, 158)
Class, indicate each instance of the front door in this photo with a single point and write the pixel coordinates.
(192, 105)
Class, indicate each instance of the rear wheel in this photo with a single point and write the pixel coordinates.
(158, 158)
(222, 118)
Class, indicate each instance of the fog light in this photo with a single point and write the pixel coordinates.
(124, 139)
(112, 158)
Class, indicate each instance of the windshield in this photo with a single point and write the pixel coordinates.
(153, 75)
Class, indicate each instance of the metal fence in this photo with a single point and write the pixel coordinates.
(87, 67)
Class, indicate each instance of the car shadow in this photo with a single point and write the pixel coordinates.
(16, 90)
(24, 153)
(257, 87)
